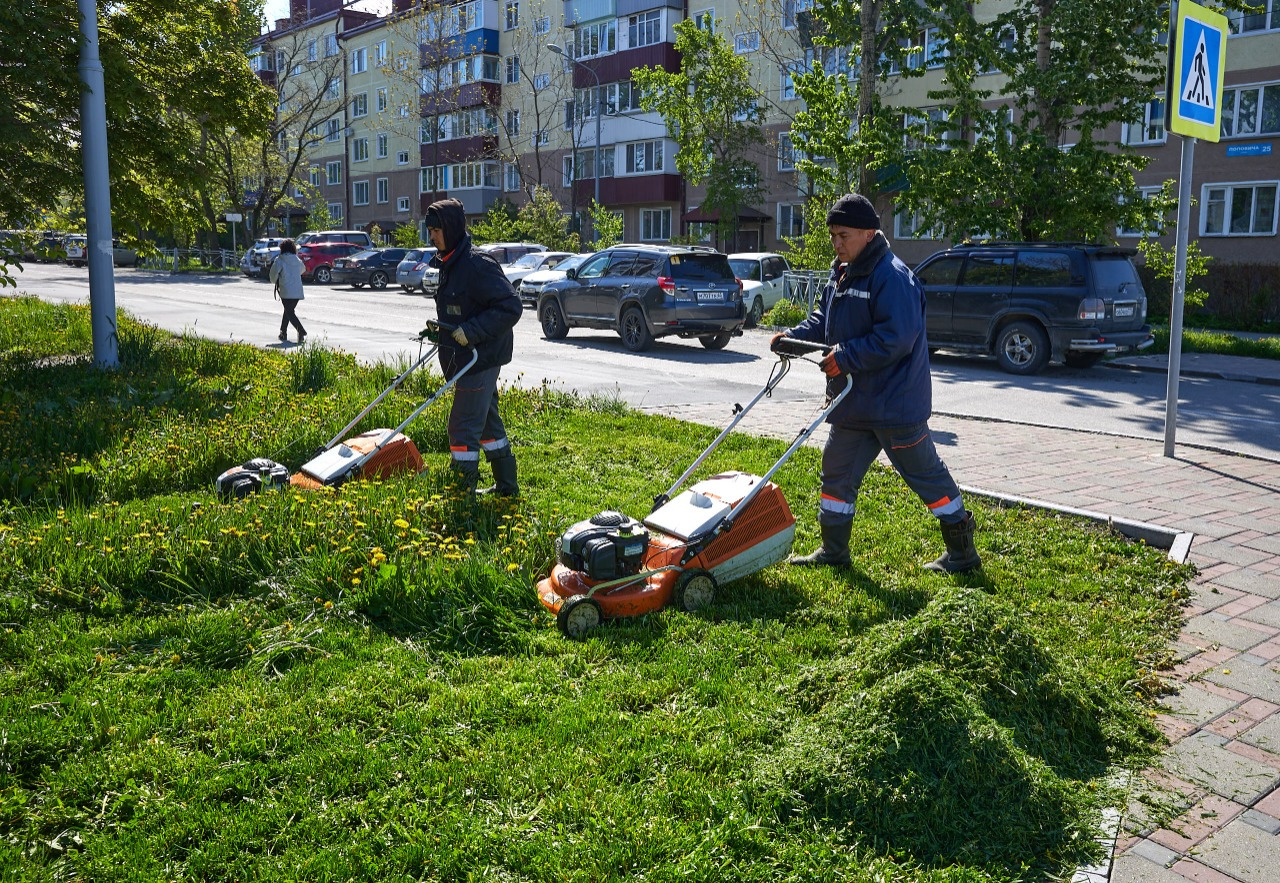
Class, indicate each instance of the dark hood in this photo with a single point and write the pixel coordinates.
(449, 216)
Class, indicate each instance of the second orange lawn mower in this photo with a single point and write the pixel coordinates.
(377, 453)
(723, 528)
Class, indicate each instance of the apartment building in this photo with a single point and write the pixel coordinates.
(485, 99)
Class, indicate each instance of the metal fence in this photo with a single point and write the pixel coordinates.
(177, 260)
(803, 286)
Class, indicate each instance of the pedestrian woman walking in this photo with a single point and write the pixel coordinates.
(286, 276)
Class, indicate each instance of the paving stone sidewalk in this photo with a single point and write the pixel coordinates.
(1222, 767)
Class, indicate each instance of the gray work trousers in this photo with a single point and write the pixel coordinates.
(474, 422)
(849, 453)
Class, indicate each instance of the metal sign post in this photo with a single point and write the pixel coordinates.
(233, 217)
(1193, 109)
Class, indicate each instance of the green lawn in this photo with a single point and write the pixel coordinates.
(361, 685)
(1224, 343)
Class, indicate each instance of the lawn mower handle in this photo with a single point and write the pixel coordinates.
(794, 348)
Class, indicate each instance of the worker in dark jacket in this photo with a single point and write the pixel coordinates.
(477, 301)
(871, 313)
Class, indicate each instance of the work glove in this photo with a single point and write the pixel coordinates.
(431, 332)
(773, 341)
(460, 337)
(829, 365)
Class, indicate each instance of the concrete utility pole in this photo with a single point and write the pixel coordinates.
(595, 234)
(97, 193)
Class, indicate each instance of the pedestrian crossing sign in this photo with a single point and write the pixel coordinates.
(1197, 61)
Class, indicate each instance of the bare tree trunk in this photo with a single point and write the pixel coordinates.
(869, 60)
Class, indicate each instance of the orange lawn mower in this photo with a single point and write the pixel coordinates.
(720, 529)
(377, 453)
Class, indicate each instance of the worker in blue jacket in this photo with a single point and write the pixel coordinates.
(871, 313)
(477, 301)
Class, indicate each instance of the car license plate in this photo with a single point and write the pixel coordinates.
(1122, 312)
(709, 295)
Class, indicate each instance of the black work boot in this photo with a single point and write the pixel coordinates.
(834, 550)
(961, 555)
(504, 477)
(466, 475)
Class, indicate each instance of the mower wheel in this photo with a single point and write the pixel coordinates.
(578, 615)
(695, 589)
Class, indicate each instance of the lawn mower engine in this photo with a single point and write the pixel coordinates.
(607, 546)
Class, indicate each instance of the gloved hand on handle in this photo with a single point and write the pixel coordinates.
(460, 337)
(773, 341)
(829, 365)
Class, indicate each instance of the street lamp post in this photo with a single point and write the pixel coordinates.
(558, 50)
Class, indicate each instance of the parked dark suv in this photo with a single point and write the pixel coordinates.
(1027, 303)
(648, 291)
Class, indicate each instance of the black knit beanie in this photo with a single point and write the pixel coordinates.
(854, 210)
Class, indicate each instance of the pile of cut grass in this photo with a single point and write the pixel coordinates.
(361, 685)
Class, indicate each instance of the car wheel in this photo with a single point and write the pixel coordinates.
(715, 341)
(1022, 348)
(1082, 360)
(554, 326)
(322, 275)
(634, 330)
(378, 280)
(756, 315)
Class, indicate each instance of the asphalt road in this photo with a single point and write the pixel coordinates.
(1230, 415)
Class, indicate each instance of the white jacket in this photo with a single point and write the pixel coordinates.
(286, 276)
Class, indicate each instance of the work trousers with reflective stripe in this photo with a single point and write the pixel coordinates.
(849, 453)
(474, 422)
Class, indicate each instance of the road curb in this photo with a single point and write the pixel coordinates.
(1196, 372)
(1176, 543)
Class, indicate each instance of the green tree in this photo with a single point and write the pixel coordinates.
(544, 221)
(712, 111)
(171, 70)
(501, 223)
(607, 224)
(406, 236)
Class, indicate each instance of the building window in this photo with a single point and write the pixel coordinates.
(333, 172)
(704, 20)
(360, 150)
(311, 49)
(513, 123)
(334, 89)
(746, 42)
(510, 177)
(333, 130)
(433, 178)
(566, 171)
(313, 175)
(542, 138)
(791, 10)
(644, 29)
(542, 25)
(909, 225)
(786, 80)
(380, 100)
(336, 210)
(1148, 194)
(1239, 209)
(1251, 110)
(1151, 129)
(595, 39)
(472, 175)
(402, 158)
(402, 204)
(643, 157)
(541, 81)
(511, 21)
(585, 163)
(786, 153)
(790, 220)
(513, 68)
(1240, 22)
(359, 60)
(380, 53)
(330, 45)
(931, 128)
(383, 143)
(383, 190)
(360, 105)
(360, 193)
(655, 224)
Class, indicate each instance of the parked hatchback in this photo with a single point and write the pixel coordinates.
(1029, 303)
(359, 237)
(318, 257)
(648, 291)
(762, 284)
(374, 267)
(509, 252)
(263, 255)
(411, 270)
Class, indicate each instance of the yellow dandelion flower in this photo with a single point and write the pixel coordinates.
(512, 566)
(400, 523)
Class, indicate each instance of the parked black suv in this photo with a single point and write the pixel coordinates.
(1029, 302)
(648, 291)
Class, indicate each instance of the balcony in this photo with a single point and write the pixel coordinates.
(616, 67)
(459, 97)
(629, 190)
(459, 150)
